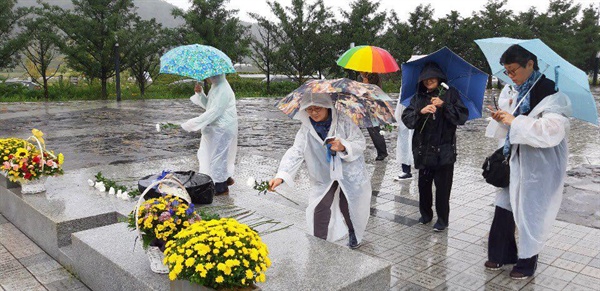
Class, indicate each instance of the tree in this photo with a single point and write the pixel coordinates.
(146, 43)
(420, 33)
(264, 49)
(557, 28)
(208, 22)
(588, 35)
(89, 34)
(362, 24)
(298, 26)
(10, 41)
(40, 50)
(396, 39)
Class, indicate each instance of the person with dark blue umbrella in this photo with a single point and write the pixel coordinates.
(434, 113)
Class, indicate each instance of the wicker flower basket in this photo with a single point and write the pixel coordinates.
(155, 255)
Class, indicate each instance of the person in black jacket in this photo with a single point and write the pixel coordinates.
(433, 113)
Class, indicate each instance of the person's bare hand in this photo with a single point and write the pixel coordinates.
(429, 109)
(437, 102)
(336, 145)
(274, 183)
(502, 116)
(198, 88)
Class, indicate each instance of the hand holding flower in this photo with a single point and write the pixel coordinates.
(437, 102)
(274, 183)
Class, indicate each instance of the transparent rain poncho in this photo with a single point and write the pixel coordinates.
(404, 153)
(347, 168)
(538, 164)
(219, 127)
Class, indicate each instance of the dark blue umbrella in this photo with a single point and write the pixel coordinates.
(467, 79)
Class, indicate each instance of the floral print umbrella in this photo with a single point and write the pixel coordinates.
(196, 61)
(367, 105)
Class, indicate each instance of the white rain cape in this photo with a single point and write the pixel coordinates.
(404, 153)
(538, 165)
(219, 127)
(349, 167)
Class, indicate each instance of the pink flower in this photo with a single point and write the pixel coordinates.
(164, 216)
(6, 165)
(49, 163)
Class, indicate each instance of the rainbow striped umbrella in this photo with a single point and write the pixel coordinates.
(368, 58)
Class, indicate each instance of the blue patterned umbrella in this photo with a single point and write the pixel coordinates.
(196, 61)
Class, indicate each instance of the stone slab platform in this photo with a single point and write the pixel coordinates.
(78, 227)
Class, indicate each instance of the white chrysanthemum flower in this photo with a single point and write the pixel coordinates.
(111, 191)
(99, 185)
(158, 127)
(91, 183)
(102, 188)
(251, 182)
(118, 193)
(445, 86)
(382, 132)
(125, 196)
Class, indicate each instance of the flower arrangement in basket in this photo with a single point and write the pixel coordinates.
(159, 219)
(218, 254)
(23, 161)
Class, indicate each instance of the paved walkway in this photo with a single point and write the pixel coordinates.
(24, 266)
(100, 133)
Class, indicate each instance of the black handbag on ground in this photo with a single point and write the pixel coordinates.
(200, 186)
(496, 169)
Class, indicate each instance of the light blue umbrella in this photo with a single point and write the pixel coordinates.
(196, 61)
(568, 78)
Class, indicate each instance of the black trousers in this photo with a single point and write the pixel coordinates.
(378, 140)
(323, 212)
(442, 177)
(502, 246)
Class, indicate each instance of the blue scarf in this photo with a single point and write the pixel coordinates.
(322, 129)
(525, 106)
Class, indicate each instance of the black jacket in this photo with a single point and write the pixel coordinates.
(543, 88)
(434, 140)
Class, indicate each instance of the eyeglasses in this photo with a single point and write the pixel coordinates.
(511, 72)
(310, 110)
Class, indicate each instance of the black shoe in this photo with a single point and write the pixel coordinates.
(524, 268)
(424, 221)
(352, 241)
(230, 181)
(403, 176)
(381, 157)
(438, 226)
(493, 266)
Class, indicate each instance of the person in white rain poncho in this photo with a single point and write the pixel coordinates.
(339, 201)
(404, 156)
(219, 127)
(536, 143)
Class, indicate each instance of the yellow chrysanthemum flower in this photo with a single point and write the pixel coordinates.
(219, 279)
(61, 159)
(189, 262)
(249, 274)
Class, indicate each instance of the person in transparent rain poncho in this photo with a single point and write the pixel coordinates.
(219, 127)
(404, 156)
(535, 141)
(340, 195)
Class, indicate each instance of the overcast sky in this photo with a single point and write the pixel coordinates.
(402, 7)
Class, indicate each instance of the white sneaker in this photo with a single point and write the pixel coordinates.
(403, 176)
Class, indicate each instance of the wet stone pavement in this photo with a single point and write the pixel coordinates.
(100, 133)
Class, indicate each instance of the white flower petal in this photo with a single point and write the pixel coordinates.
(118, 192)
(251, 182)
(445, 86)
(158, 127)
(111, 191)
(382, 132)
(91, 183)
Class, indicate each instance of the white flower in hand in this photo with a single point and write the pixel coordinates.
(158, 127)
(91, 183)
(445, 85)
(251, 182)
(382, 132)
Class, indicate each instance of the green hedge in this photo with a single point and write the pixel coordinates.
(164, 87)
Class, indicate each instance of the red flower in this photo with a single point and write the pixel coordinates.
(27, 176)
(36, 159)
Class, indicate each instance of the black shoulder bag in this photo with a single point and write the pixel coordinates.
(496, 169)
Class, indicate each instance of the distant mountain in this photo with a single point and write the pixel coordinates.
(146, 9)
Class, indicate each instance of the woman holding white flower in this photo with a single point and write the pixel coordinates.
(339, 201)
(434, 113)
(219, 127)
